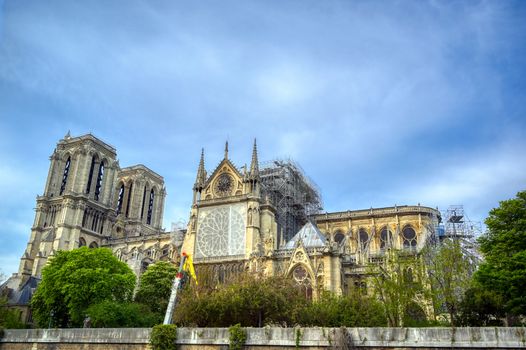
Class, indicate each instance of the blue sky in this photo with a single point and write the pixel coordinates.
(381, 102)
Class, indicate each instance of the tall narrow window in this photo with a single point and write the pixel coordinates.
(119, 200)
(99, 181)
(364, 238)
(385, 238)
(143, 202)
(90, 176)
(150, 208)
(65, 176)
(129, 200)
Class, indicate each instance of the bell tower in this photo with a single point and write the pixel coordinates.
(75, 207)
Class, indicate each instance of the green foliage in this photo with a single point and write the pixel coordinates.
(250, 301)
(481, 308)
(256, 301)
(298, 333)
(155, 286)
(504, 247)
(238, 337)
(112, 314)
(163, 337)
(397, 284)
(355, 310)
(448, 269)
(9, 318)
(74, 280)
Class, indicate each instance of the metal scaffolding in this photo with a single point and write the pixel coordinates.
(458, 226)
(292, 193)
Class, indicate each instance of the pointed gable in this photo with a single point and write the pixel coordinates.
(236, 179)
(309, 235)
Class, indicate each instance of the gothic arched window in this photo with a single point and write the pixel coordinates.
(90, 176)
(302, 278)
(119, 199)
(339, 237)
(150, 208)
(129, 200)
(65, 176)
(409, 237)
(82, 242)
(364, 238)
(143, 202)
(98, 186)
(93, 245)
(386, 238)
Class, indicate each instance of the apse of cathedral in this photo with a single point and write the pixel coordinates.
(263, 218)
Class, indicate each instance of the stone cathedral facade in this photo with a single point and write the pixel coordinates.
(241, 219)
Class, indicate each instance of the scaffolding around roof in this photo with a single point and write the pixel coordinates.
(292, 193)
(457, 224)
(459, 227)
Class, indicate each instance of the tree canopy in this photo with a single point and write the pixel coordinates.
(504, 249)
(74, 280)
(448, 269)
(155, 286)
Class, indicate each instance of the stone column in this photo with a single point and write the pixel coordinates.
(160, 210)
(50, 175)
(108, 185)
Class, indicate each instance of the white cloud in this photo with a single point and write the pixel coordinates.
(479, 182)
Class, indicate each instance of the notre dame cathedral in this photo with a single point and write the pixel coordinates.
(261, 218)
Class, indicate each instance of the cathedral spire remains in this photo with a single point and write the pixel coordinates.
(226, 150)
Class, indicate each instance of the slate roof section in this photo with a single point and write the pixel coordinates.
(310, 235)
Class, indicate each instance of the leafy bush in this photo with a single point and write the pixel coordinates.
(108, 314)
(238, 337)
(355, 310)
(163, 337)
(9, 318)
(250, 301)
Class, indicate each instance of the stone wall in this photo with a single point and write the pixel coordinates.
(270, 338)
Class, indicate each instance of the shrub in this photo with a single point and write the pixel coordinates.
(355, 310)
(163, 337)
(109, 314)
(238, 337)
(250, 301)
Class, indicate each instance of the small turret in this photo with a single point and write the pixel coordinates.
(201, 176)
(252, 177)
(254, 166)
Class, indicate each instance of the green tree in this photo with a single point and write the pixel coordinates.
(504, 248)
(398, 284)
(74, 280)
(112, 314)
(9, 317)
(480, 308)
(448, 269)
(155, 286)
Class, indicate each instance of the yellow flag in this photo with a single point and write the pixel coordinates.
(189, 267)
